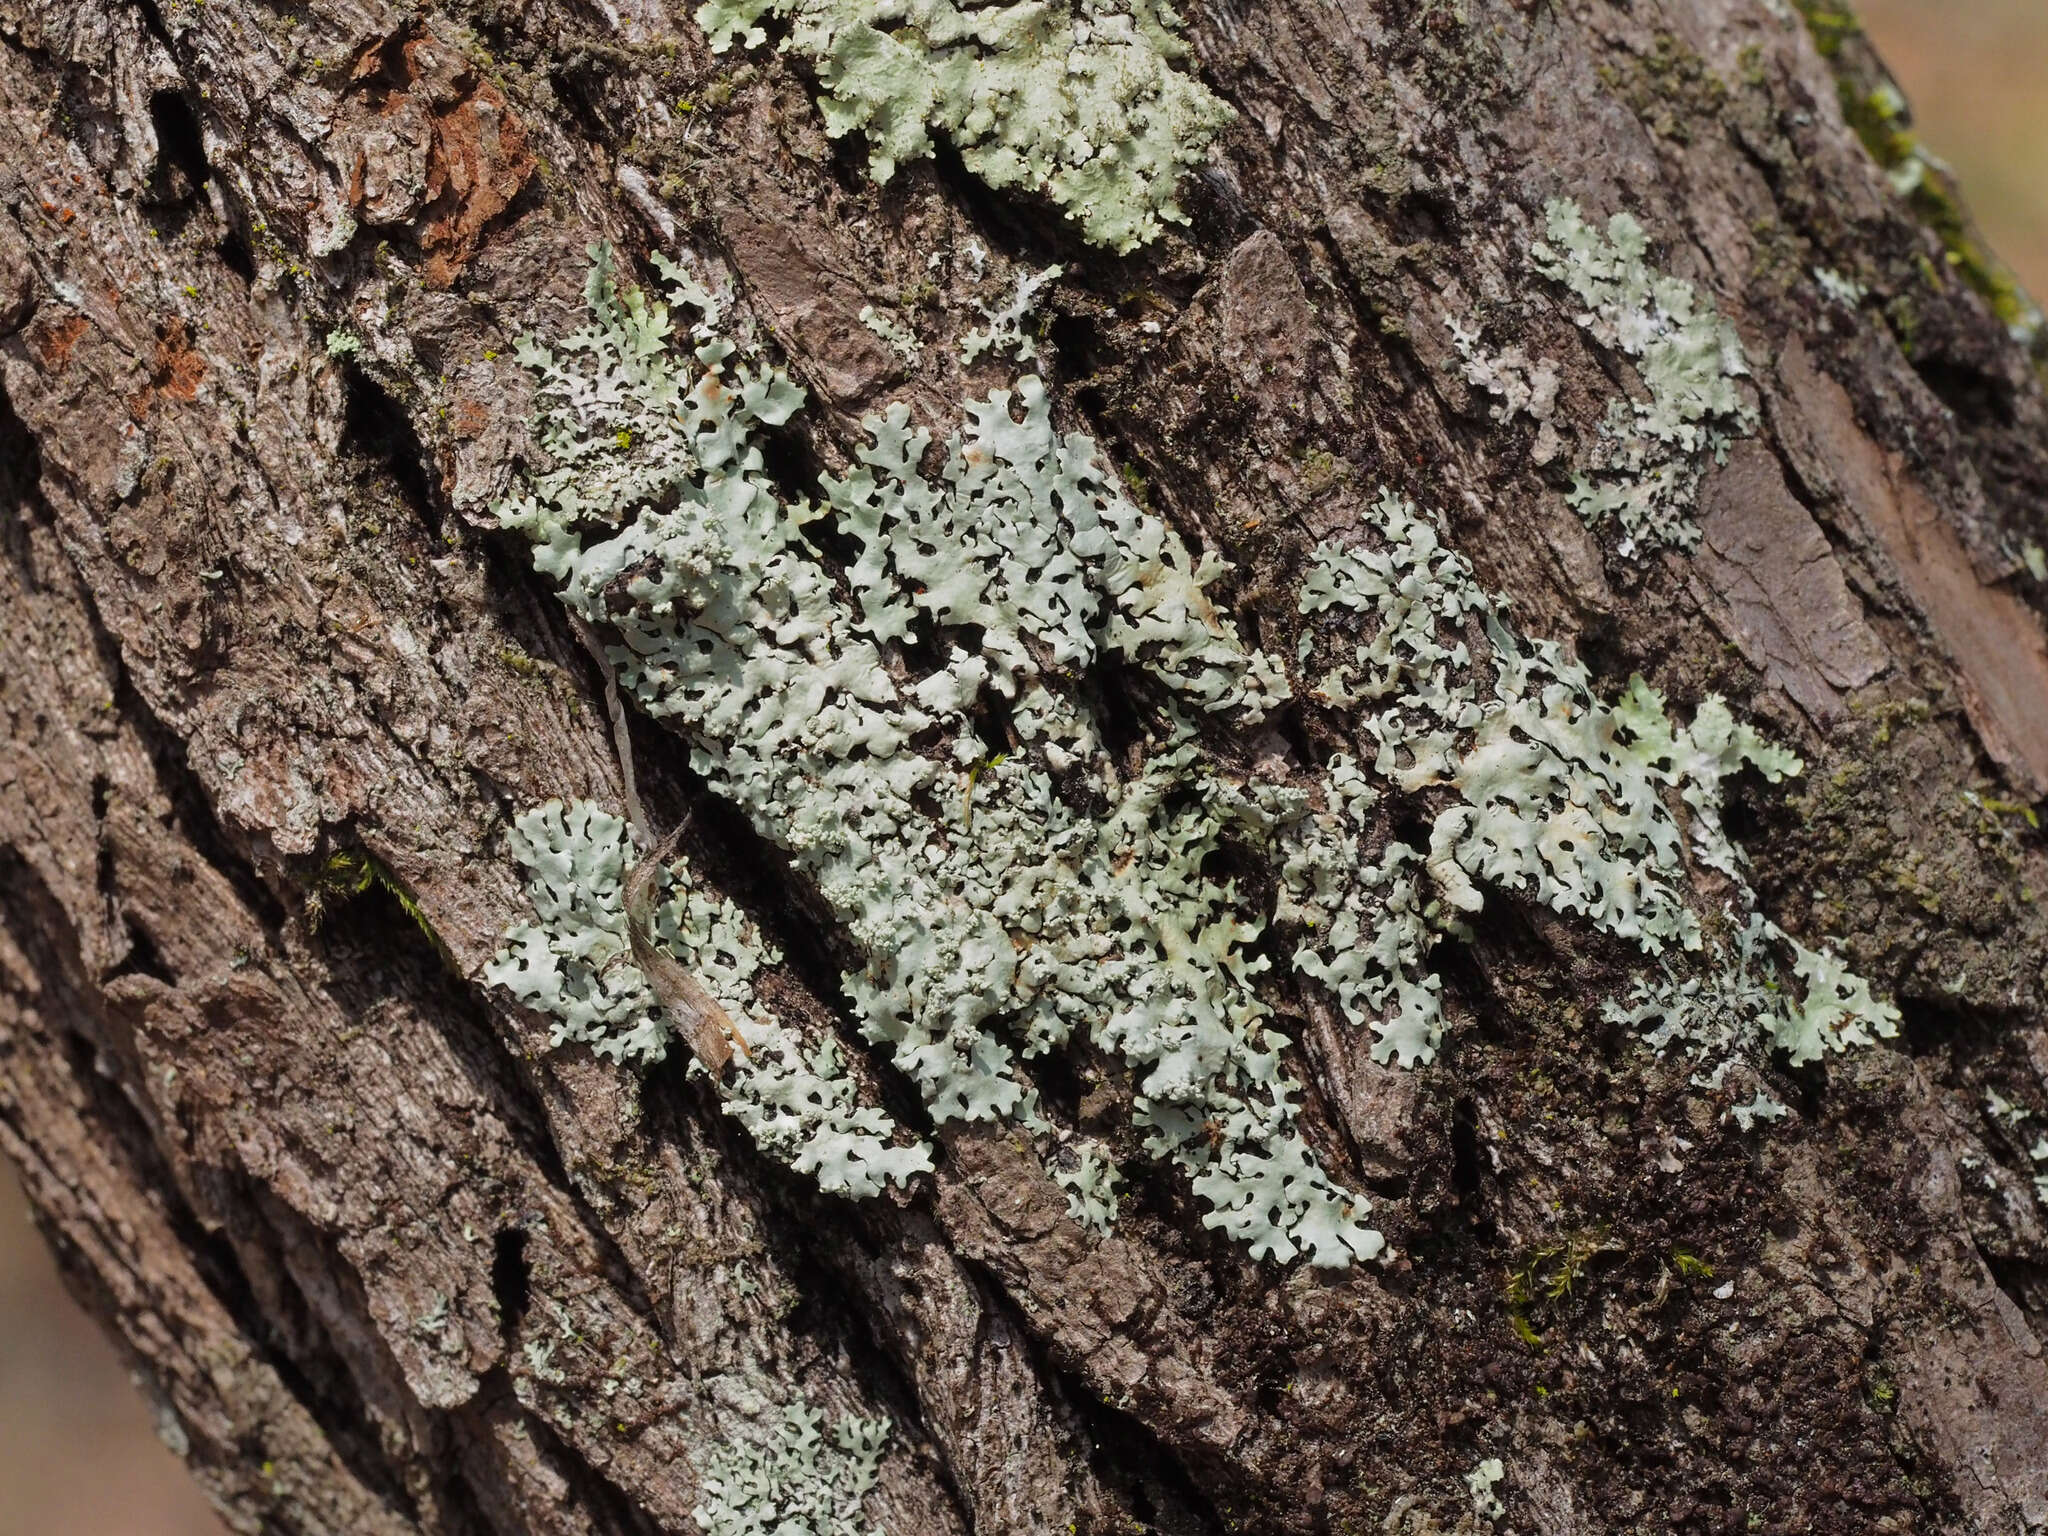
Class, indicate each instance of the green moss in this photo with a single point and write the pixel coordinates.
(1550, 1277)
(347, 874)
(1137, 485)
(1831, 25)
(1878, 114)
(1552, 1273)
(1690, 1266)
(1524, 1329)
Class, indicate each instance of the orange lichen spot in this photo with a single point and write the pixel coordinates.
(471, 417)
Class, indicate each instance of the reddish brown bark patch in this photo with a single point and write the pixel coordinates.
(478, 164)
(471, 417)
(175, 370)
(1996, 641)
(475, 149)
(53, 341)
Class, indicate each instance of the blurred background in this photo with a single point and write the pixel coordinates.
(1976, 74)
(78, 1453)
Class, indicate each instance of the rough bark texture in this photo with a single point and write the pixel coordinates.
(337, 1199)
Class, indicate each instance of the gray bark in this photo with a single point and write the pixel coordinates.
(389, 1264)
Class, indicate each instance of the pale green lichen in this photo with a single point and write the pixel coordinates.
(1024, 538)
(1077, 99)
(1370, 926)
(1479, 1482)
(1006, 331)
(1090, 1181)
(1845, 291)
(901, 338)
(1006, 896)
(2008, 1114)
(1741, 1003)
(1562, 800)
(568, 962)
(996, 915)
(1522, 385)
(1837, 1012)
(798, 1103)
(800, 1482)
(1761, 1106)
(1645, 469)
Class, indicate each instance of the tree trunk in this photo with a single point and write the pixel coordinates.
(276, 681)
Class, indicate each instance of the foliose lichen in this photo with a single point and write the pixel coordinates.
(1520, 383)
(1077, 99)
(914, 725)
(901, 338)
(997, 914)
(1480, 1483)
(572, 963)
(1645, 469)
(1005, 330)
(1090, 1181)
(1561, 798)
(800, 1482)
(1741, 1003)
(1840, 289)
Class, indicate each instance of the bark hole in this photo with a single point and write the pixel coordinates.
(142, 959)
(1081, 348)
(511, 1282)
(233, 251)
(1465, 1169)
(181, 172)
(21, 471)
(376, 427)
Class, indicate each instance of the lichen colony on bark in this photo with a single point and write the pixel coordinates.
(1356, 689)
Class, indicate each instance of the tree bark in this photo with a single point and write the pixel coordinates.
(388, 1263)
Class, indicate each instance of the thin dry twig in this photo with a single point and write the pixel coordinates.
(622, 737)
(711, 1033)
